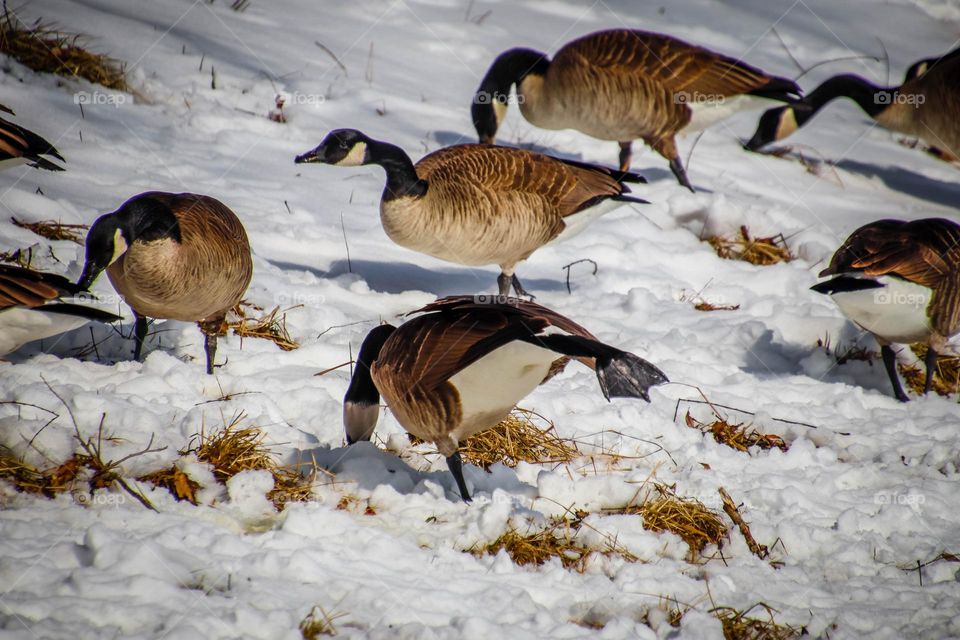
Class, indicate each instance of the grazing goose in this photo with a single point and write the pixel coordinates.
(462, 366)
(480, 204)
(30, 307)
(624, 85)
(21, 146)
(175, 256)
(901, 282)
(925, 106)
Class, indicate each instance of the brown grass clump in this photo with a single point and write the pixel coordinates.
(44, 48)
(843, 356)
(758, 251)
(353, 504)
(318, 623)
(664, 510)
(738, 626)
(54, 230)
(946, 375)
(29, 479)
(19, 257)
(236, 449)
(517, 438)
(557, 540)
(176, 482)
(267, 327)
(707, 306)
(736, 436)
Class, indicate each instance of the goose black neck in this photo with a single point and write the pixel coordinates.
(362, 390)
(402, 177)
(871, 98)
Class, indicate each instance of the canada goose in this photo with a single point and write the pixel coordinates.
(924, 106)
(175, 256)
(465, 363)
(480, 204)
(901, 282)
(21, 146)
(30, 307)
(624, 85)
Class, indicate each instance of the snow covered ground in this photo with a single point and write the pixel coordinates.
(855, 501)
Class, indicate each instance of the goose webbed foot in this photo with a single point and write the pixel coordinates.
(455, 465)
(677, 168)
(890, 364)
(505, 283)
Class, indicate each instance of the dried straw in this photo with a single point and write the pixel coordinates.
(759, 251)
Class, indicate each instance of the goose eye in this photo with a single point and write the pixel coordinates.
(344, 145)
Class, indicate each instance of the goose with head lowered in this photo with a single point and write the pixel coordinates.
(478, 204)
(625, 85)
(31, 307)
(22, 146)
(173, 256)
(925, 106)
(461, 366)
(900, 281)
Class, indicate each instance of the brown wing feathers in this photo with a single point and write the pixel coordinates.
(24, 287)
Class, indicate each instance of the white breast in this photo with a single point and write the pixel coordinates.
(706, 113)
(495, 383)
(896, 312)
(19, 326)
(581, 220)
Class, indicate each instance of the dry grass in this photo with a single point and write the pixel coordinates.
(946, 375)
(557, 540)
(54, 230)
(267, 327)
(737, 625)
(44, 48)
(518, 438)
(758, 251)
(354, 504)
(175, 481)
(736, 436)
(19, 257)
(29, 479)
(690, 519)
(844, 355)
(318, 623)
(236, 449)
(707, 306)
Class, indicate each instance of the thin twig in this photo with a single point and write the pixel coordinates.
(730, 508)
(567, 268)
(332, 55)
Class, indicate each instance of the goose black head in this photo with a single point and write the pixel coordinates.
(343, 147)
(490, 102)
(776, 124)
(145, 217)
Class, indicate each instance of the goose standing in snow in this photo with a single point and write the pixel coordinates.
(480, 204)
(624, 85)
(31, 307)
(901, 282)
(174, 256)
(926, 105)
(461, 367)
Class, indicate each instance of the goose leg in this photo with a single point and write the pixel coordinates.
(139, 335)
(625, 154)
(519, 290)
(931, 362)
(677, 167)
(211, 329)
(456, 468)
(503, 282)
(890, 363)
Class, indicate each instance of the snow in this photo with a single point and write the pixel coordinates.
(855, 502)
